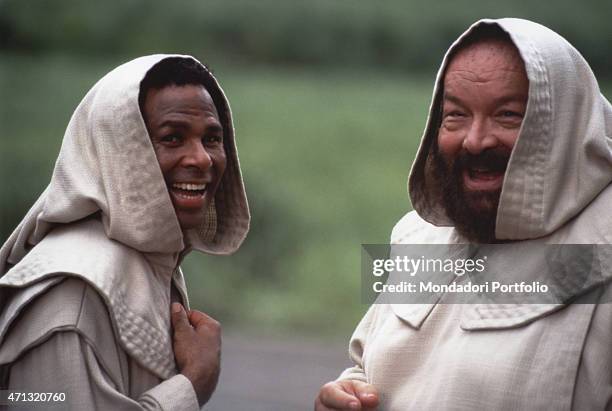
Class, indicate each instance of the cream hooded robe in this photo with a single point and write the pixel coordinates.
(556, 191)
(86, 281)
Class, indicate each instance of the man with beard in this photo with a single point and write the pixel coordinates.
(483, 105)
(517, 151)
(94, 313)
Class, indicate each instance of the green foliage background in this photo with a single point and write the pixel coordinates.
(330, 98)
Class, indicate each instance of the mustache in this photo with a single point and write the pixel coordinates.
(493, 159)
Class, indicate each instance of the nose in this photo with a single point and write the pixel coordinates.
(197, 156)
(479, 137)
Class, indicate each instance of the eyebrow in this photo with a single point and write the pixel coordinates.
(183, 124)
(452, 99)
(503, 100)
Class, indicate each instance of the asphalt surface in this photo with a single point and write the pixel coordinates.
(265, 373)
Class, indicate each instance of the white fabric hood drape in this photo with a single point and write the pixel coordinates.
(107, 164)
(562, 159)
(107, 217)
(498, 355)
(557, 187)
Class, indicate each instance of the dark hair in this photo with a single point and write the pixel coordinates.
(181, 71)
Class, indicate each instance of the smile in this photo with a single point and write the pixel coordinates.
(187, 186)
(482, 179)
(188, 195)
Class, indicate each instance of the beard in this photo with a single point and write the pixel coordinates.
(473, 212)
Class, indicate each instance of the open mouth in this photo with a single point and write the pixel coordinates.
(188, 195)
(484, 173)
(483, 178)
(188, 190)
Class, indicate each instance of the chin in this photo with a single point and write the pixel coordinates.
(474, 214)
(190, 221)
(482, 203)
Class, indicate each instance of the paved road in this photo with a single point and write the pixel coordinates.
(272, 374)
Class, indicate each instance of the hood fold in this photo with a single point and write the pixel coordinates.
(562, 159)
(106, 216)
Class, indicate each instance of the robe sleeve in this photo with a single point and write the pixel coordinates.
(66, 363)
(62, 340)
(357, 347)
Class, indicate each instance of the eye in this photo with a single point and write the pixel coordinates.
(511, 114)
(213, 139)
(454, 114)
(172, 139)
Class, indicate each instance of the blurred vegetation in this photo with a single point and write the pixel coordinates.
(329, 96)
(392, 33)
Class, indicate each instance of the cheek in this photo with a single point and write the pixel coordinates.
(166, 161)
(449, 144)
(509, 138)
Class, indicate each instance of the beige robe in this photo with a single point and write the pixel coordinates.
(556, 191)
(70, 348)
(86, 278)
(488, 356)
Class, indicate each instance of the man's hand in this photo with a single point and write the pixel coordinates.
(347, 395)
(197, 349)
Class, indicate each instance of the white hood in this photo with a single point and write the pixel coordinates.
(562, 159)
(107, 218)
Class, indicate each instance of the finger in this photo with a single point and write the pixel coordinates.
(198, 319)
(179, 318)
(332, 395)
(367, 394)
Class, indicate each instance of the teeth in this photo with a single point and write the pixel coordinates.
(185, 186)
(485, 171)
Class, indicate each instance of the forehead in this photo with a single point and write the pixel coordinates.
(486, 57)
(188, 99)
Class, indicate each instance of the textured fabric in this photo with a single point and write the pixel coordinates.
(106, 219)
(556, 191)
(562, 159)
(440, 366)
(71, 350)
(483, 357)
(107, 167)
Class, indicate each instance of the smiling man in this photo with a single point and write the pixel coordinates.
(483, 104)
(517, 151)
(93, 302)
(187, 136)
